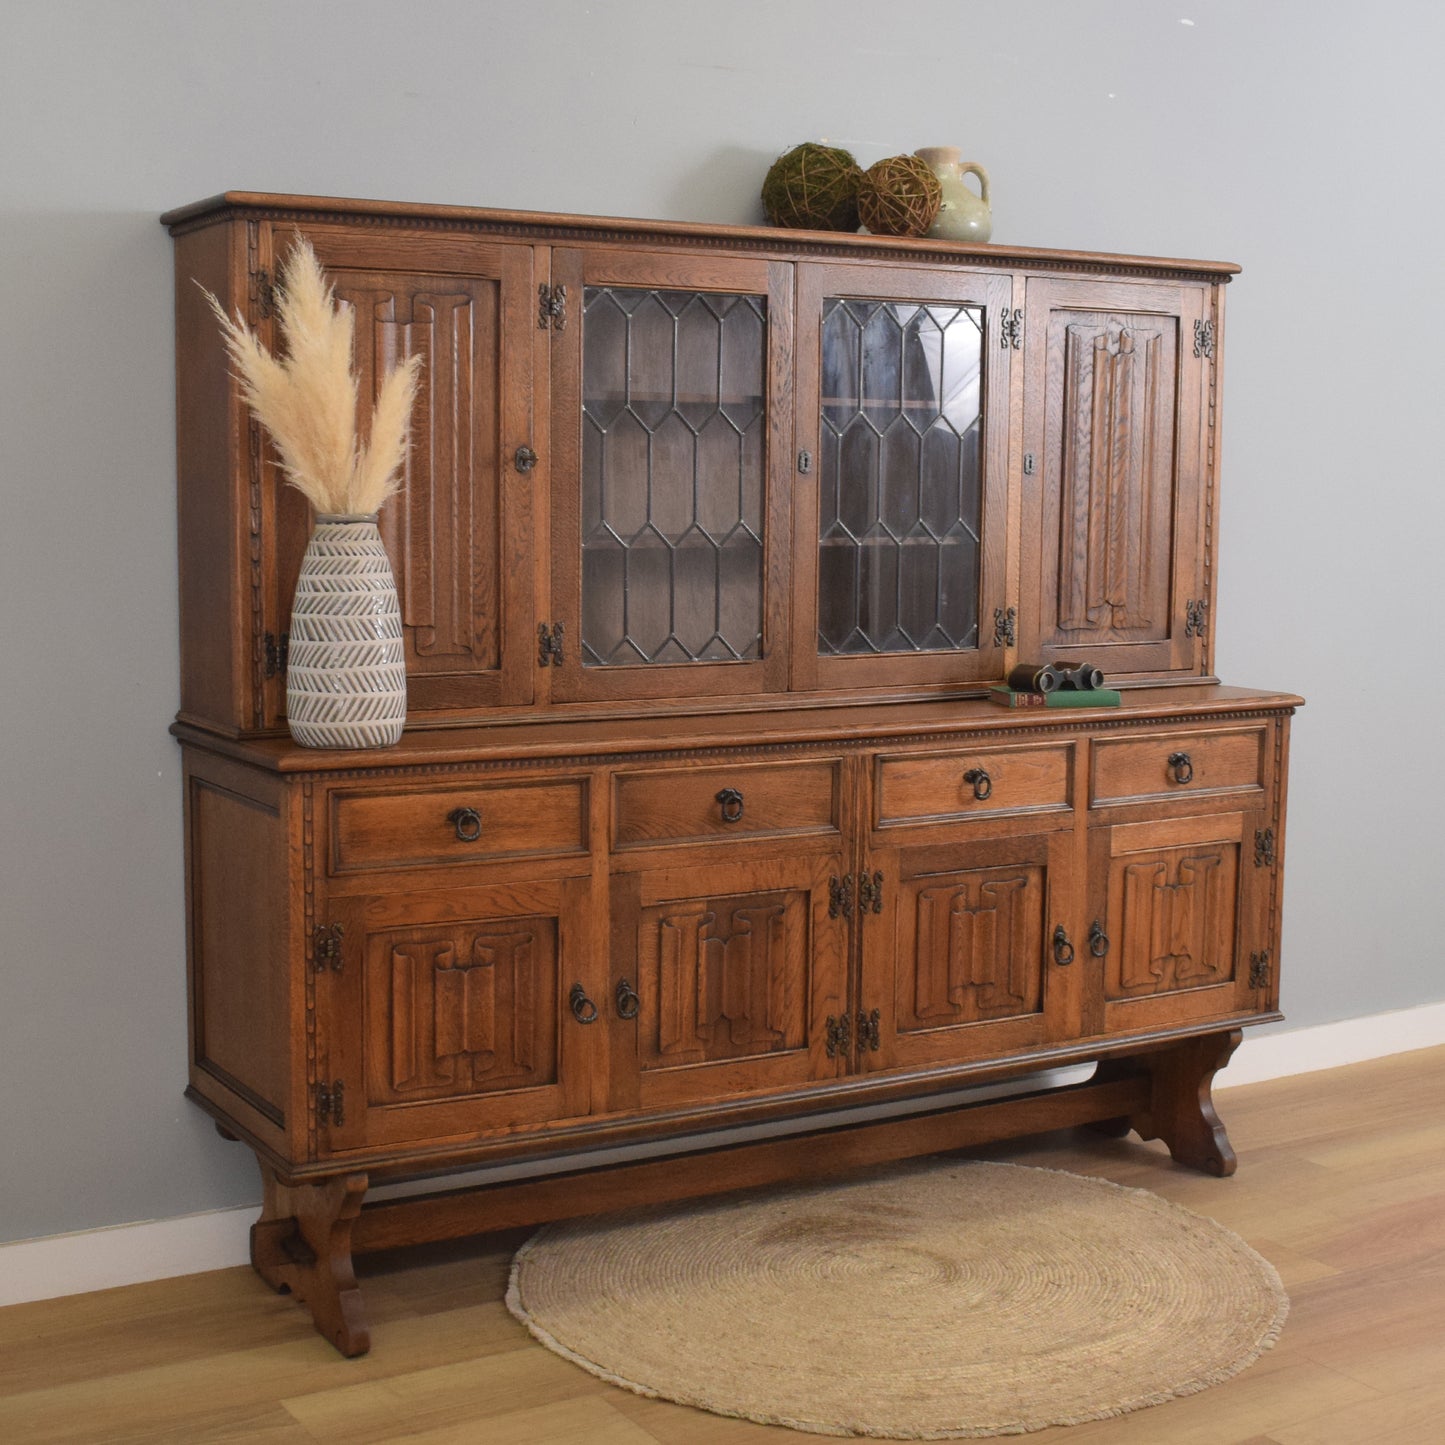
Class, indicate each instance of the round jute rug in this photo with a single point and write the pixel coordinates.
(935, 1301)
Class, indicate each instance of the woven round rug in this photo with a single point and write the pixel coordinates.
(931, 1302)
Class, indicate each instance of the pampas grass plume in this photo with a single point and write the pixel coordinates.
(307, 399)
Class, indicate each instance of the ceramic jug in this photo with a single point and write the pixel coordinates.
(963, 216)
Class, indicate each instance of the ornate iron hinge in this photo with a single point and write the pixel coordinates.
(1259, 970)
(1195, 621)
(840, 1035)
(1011, 332)
(1005, 626)
(1204, 338)
(1264, 847)
(870, 893)
(268, 291)
(551, 307)
(331, 1103)
(277, 650)
(549, 645)
(868, 1030)
(327, 948)
(840, 896)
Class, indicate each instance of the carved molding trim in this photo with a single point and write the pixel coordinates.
(254, 522)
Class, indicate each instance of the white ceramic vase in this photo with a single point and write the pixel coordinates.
(346, 669)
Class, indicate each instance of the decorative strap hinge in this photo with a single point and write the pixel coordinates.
(1011, 332)
(1196, 622)
(1264, 847)
(840, 896)
(839, 1035)
(331, 1103)
(267, 290)
(551, 307)
(1005, 626)
(549, 644)
(327, 949)
(1259, 970)
(870, 893)
(277, 649)
(1204, 338)
(868, 1035)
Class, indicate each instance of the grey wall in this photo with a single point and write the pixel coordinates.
(1285, 136)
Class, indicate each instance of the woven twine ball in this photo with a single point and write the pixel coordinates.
(813, 187)
(899, 196)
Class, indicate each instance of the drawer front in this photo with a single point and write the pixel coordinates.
(466, 823)
(1176, 764)
(944, 787)
(671, 805)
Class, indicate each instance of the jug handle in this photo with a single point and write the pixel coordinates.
(965, 167)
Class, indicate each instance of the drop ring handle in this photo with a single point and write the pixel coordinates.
(1182, 767)
(1063, 949)
(583, 1009)
(731, 801)
(628, 1003)
(467, 822)
(982, 783)
(1098, 939)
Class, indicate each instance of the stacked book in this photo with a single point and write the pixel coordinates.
(1060, 697)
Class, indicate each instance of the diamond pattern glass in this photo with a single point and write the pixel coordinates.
(672, 476)
(900, 483)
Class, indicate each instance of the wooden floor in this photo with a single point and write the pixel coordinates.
(1341, 1184)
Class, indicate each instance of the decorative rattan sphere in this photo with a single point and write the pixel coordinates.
(813, 187)
(899, 196)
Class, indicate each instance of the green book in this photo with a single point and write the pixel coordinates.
(1060, 697)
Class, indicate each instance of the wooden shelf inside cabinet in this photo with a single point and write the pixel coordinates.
(711, 539)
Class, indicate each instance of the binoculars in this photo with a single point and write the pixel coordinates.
(1049, 676)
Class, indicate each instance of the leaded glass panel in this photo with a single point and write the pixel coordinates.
(900, 484)
(672, 476)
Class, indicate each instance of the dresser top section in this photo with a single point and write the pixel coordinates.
(546, 227)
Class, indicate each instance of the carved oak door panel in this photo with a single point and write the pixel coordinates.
(1115, 401)
(972, 952)
(453, 1012)
(465, 310)
(1176, 911)
(726, 979)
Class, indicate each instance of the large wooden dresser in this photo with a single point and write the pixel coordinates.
(712, 543)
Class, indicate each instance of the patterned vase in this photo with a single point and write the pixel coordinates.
(346, 670)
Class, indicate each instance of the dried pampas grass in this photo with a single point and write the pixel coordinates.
(307, 399)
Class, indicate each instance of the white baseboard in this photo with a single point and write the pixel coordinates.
(62, 1264)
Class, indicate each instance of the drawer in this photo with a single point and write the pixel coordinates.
(464, 823)
(672, 805)
(1176, 764)
(943, 787)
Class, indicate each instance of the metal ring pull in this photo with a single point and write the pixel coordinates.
(732, 804)
(628, 1003)
(583, 1009)
(1063, 949)
(982, 783)
(468, 823)
(1098, 939)
(1183, 768)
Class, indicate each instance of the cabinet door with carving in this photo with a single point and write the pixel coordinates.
(900, 492)
(1177, 929)
(1115, 474)
(445, 1015)
(459, 532)
(970, 951)
(728, 979)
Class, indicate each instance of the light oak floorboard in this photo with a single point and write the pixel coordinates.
(1341, 1185)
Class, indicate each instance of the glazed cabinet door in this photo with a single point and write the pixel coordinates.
(1114, 474)
(969, 950)
(729, 978)
(1178, 920)
(443, 1014)
(900, 510)
(671, 430)
(459, 533)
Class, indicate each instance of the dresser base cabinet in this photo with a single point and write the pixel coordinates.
(587, 948)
